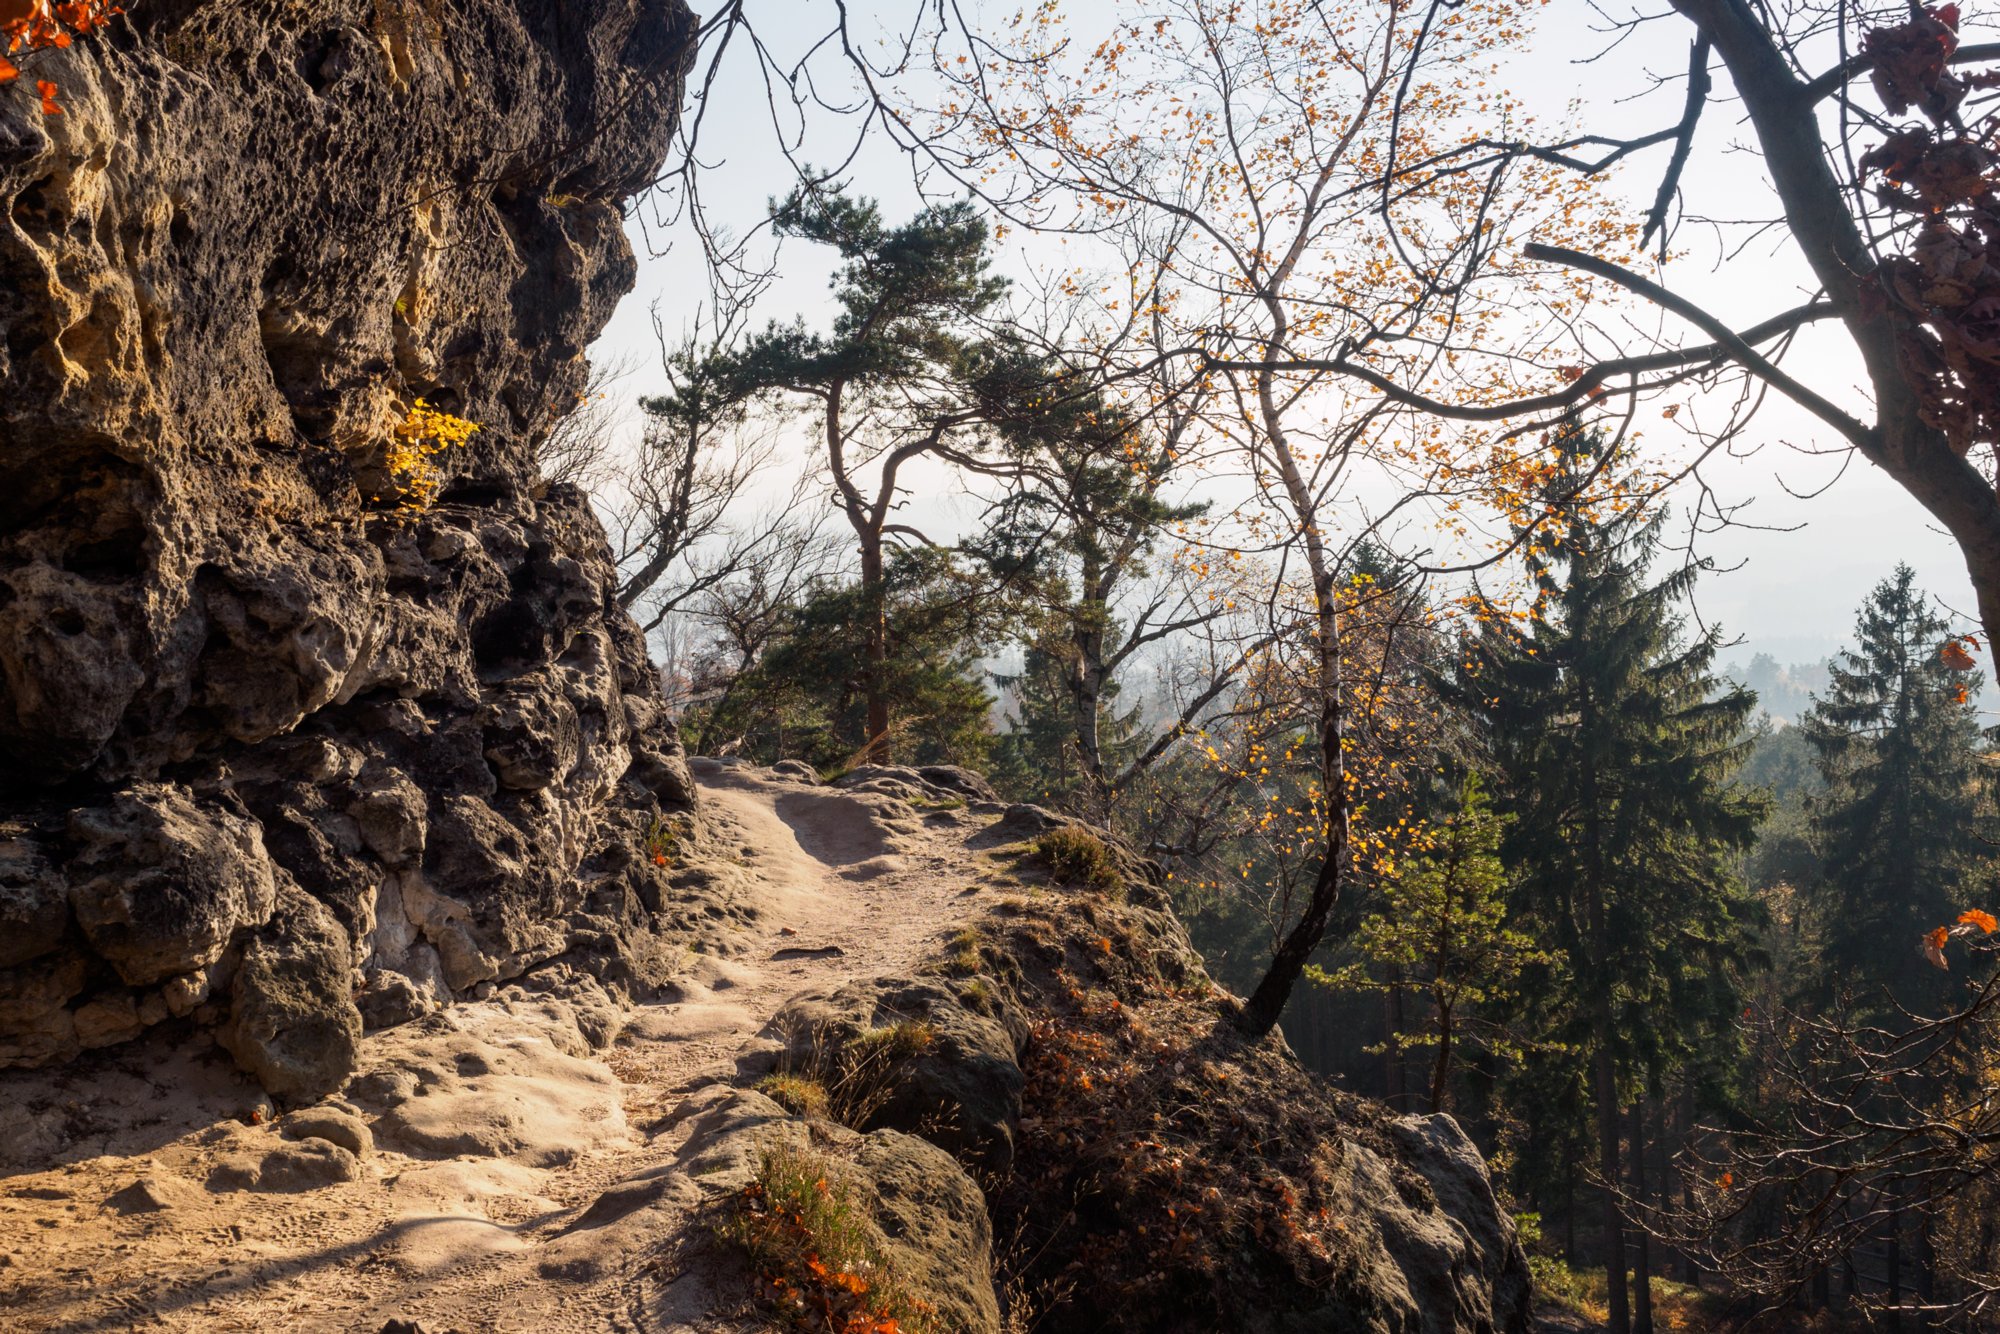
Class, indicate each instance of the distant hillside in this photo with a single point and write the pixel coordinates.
(1784, 690)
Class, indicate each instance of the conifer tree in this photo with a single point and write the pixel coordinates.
(1078, 533)
(1440, 922)
(1895, 739)
(1614, 743)
(905, 371)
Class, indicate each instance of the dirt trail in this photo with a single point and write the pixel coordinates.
(175, 1204)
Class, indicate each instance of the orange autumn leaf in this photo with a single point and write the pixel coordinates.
(1985, 921)
(1934, 943)
(9, 71)
(1725, 1181)
(1956, 656)
(48, 92)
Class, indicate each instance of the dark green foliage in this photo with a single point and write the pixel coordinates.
(1075, 533)
(805, 698)
(1038, 758)
(1614, 746)
(1897, 826)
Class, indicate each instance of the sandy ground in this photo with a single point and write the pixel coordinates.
(476, 1142)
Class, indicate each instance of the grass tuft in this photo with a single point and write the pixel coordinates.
(797, 1094)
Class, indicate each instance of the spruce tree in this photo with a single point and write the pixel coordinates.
(1896, 742)
(1614, 742)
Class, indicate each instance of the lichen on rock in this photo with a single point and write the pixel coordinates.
(269, 739)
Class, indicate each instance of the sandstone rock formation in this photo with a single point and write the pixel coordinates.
(275, 753)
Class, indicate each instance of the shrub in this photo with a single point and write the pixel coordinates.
(814, 1254)
(1079, 858)
(423, 434)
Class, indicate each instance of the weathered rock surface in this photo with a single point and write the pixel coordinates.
(268, 744)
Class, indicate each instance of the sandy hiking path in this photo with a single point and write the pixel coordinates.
(469, 1177)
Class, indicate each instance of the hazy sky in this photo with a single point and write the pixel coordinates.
(1801, 575)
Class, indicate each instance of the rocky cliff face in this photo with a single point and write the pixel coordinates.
(274, 753)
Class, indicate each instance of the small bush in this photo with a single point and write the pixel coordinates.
(797, 1094)
(1079, 858)
(815, 1258)
(977, 995)
(411, 457)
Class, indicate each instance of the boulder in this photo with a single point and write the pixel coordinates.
(955, 1080)
(292, 1023)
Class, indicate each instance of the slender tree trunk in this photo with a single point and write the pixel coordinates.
(1604, 1069)
(1620, 1321)
(1267, 1002)
(1690, 1268)
(1087, 677)
(1642, 1241)
(1569, 1207)
(1393, 1070)
(875, 688)
(1441, 1072)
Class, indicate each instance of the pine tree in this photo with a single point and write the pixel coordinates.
(1077, 533)
(1615, 741)
(904, 372)
(1895, 739)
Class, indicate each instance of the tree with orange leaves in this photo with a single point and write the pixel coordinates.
(45, 25)
(1233, 149)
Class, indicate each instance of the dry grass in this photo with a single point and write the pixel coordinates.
(846, 1082)
(797, 1094)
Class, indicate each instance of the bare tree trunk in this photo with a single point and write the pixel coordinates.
(1393, 1070)
(875, 685)
(1441, 1072)
(1267, 1002)
(1781, 109)
(1642, 1241)
(1620, 1321)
